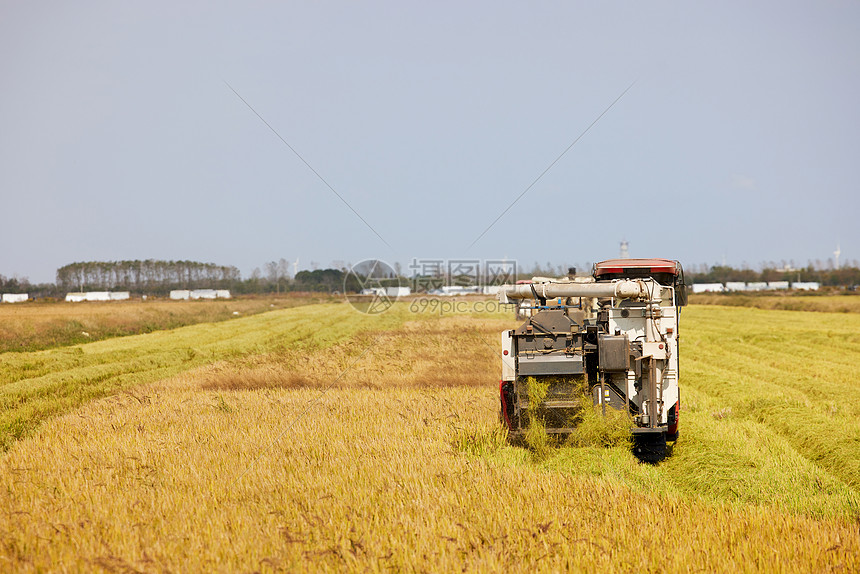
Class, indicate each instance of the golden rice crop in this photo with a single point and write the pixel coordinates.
(179, 479)
(400, 464)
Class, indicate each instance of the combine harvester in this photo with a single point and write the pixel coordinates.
(613, 335)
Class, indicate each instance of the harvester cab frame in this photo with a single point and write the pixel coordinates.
(613, 335)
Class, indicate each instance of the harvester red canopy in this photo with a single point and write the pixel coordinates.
(615, 266)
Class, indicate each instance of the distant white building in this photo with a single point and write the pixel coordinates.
(203, 294)
(777, 285)
(378, 291)
(490, 289)
(736, 286)
(97, 296)
(707, 287)
(184, 294)
(398, 291)
(15, 297)
(806, 286)
(757, 286)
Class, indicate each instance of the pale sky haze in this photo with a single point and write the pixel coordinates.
(119, 138)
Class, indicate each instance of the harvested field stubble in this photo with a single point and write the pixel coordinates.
(791, 375)
(44, 325)
(846, 303)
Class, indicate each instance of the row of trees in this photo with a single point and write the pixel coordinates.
(151, 275)
(13, 284)
(318, 280)
(811, 265)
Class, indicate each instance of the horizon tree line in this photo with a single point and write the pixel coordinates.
(137, 275)
(158, 277)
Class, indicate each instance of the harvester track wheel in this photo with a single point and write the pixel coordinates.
(506, 410)
(649, 448)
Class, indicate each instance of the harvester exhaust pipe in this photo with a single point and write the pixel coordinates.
(627, 289)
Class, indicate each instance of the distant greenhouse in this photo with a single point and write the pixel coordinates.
(707, 287)
(735, 286)
(15, 297)
(185, 294)
(98, 296)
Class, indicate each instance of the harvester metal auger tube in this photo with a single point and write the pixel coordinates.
(612, 337)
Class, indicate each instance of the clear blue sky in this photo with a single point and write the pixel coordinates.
(120, 140)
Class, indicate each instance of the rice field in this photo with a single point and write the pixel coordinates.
(37, 325)
(37, 385)
(848, 302)
(318, 439)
